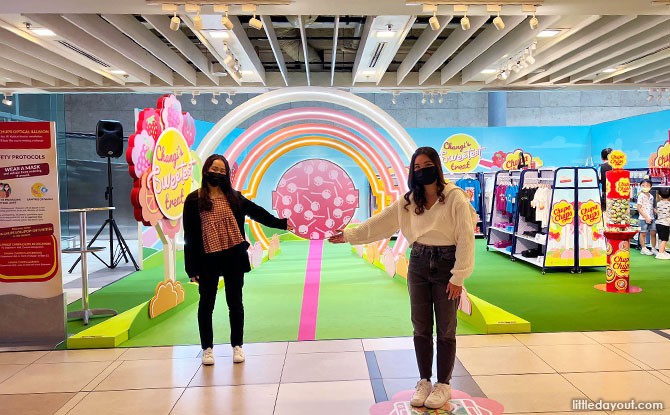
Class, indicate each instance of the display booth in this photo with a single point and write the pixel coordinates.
(326, 168)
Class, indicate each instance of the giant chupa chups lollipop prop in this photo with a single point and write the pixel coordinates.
(617, 227)
(317, 197)
(161, 163)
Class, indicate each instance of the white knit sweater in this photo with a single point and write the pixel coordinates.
(449, 223)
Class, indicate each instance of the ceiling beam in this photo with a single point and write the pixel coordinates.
(648, 60)
(600, 28)
(574, 29)
(34, 46)
(303, 39)
(246, 48)
(478, 46)
(619, 57)
(419, 49)
(32, 62)
(519, 37)
(29, 72)
(91, 45)
(455, 40)
(586, 52)
(643, 70)
(129, 25)
(336, 32)
(15, 77)
(274, 44)
(183, 44)
(662, 72)
(99, 28)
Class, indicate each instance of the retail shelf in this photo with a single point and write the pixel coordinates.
(502, 230)
(528, 238)
(538, 262)
(503, 250)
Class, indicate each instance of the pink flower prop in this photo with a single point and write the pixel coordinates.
(149, 121)
(460, 403)
(169, 109)
(188, 129)
(142, 152)
(170, 227)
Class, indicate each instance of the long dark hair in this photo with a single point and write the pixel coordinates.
(204, 201)
(417, 190)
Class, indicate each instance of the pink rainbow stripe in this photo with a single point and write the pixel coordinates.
(310, 295)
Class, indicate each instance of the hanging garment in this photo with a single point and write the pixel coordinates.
(510, 196)
(501, 199)
(542, 204)
(474, 190)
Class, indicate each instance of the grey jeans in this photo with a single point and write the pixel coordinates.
(427, 278)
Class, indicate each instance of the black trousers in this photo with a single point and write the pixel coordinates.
(427, 278)
(221, 264)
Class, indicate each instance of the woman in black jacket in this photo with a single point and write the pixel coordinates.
(214, 245)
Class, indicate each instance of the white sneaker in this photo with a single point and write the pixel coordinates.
(663, 255)
(654, 251)
(439, 396)
(423, 389)
(646, 251)
(208, 357)
(238, 355)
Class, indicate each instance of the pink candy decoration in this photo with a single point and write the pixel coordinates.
(170, 112)
(142, 151)
(188, 129)
(306, 196)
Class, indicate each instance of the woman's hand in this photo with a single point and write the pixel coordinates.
(338, 238)
(290, 228)
(454, 291)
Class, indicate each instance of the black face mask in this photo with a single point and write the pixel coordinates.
(216, 179)
(427, 175)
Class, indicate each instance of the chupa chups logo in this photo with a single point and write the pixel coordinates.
(563, 213)
(590, 212)
(661, 158)
(622, 186)
(617, 159)
(620, 264)
(460, 404)
(461, 153)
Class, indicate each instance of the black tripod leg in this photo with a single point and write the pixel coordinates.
(124, 245)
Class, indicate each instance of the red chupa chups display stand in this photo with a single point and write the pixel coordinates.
(618, 231)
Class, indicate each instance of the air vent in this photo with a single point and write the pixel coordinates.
(378, 51)
(82, 53)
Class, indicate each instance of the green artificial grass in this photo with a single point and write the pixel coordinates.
(560, 301)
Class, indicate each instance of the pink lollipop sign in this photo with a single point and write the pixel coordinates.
(317, 197)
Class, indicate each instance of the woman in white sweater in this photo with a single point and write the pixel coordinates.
(438, 220)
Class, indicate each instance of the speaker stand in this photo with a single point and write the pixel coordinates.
(124, 251)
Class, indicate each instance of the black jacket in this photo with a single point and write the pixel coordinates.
(194, 250)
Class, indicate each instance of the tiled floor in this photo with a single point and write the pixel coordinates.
(539, 373)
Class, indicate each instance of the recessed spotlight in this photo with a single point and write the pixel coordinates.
(385, 34)
(489, 71)
(548, 33)
(117, 72)
(219, 34)
(42, 32)
(368, 73)
(609, 70)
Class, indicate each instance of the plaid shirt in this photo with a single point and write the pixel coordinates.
(219, 228)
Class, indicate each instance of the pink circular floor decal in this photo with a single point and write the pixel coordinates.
(317, 197)
(460, 404)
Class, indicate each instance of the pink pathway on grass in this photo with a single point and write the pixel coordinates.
(310, 296)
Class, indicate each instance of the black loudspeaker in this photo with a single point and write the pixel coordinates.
(109, 139)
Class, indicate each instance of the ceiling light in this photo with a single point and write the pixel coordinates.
(7, 100)
(516, 68)
(228, 60)
(548, 33)
(434, 23)
(465, 23)
(394, 97)
(489, 71)
(175, 22)
(660, 95)
(368, 73)
(214, 100)
(504, 75)
(609, 70)
(498, 22)
(193, 95)
(219, 34)
(255, 23)
(197, 22)
(117, 72)
(530, 60)
(432, 98)
(225, 21)
(192, 8)
(424, 100)
(237, 66)
(533, 22)
(385, 34)
(441, 100)
(42, 32)
(229, 101)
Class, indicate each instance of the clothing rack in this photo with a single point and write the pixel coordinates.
(558, 245)
(479, 177)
